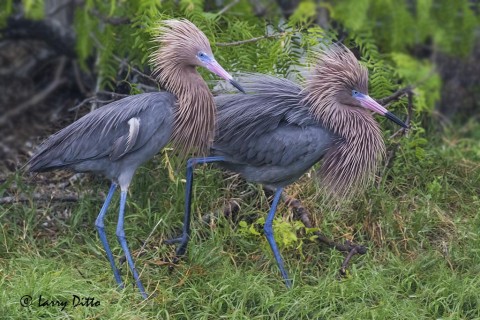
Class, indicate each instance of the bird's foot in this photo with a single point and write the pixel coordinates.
(349, 247)
(173, 241)
(352, 249)
(171, 262)
(302, 214)
(179, 253)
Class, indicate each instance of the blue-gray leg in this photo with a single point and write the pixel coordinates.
(268, 230)
(123, 242)
(183, 240)
(103, 237)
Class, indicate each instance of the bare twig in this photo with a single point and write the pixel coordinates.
(230, 211)
(146, 88)
(393, 150)
(81, 104)
(70, 181)
(135, 70)
(258, 9)
(94, 99)
(228, 6)
(123, 62)
(142, 248)
(113, 95)
(78, 78)
(115, 21)
(409, 108)
(395, 96)
(42, 95)
(60, 40)
(238, 43)
(38, 197)
(402, 131)
(57, 8)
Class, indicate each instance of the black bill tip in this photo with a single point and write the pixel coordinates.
(395, 119)
(236, 85)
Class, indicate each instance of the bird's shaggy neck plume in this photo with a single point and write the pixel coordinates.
(194, 125)
(354, 157)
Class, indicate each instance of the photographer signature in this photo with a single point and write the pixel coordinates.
(75, 301)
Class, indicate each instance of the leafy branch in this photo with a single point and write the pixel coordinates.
(241, 42)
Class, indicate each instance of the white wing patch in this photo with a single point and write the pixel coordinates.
(134, 124)
(125, 143)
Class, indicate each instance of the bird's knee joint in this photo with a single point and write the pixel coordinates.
(99, 224)
(268, 230)
(120, 234)
(191, 162)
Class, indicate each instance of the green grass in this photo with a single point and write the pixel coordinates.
(421, 226)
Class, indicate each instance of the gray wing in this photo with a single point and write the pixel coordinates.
(286, 145)
(269, 129)
(113, 131)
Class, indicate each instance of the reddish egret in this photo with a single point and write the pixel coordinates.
(277, 132)
(115, 139)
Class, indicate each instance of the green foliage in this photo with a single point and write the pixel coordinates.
(421, 224)
(84, 23)
(400, 24)
(422, 75)
(421, 230)
(283, 55)
(304, 15)
(285, 232)
(34, 9)
(6, 8)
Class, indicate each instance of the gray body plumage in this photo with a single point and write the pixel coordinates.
(269, 136)
(279, 130)
(115, 139)
(125, 133)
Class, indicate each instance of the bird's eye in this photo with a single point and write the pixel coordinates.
(355, 93)
(202, 55)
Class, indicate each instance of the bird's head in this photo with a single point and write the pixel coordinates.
(340, 82)
(184, 47)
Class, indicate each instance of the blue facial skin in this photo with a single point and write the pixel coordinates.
(208, 62)
(360, 96)
(203, 57)
(357, 94)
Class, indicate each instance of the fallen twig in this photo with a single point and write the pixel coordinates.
(38, 197)
(37, 98)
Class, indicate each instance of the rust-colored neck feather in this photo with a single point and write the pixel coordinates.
(175, 66)
(353, 159)
(194, 126)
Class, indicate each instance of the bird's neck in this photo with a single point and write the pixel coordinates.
(352, 161)
(194, 125)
